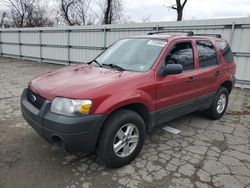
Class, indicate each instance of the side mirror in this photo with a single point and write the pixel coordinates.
(171, 69)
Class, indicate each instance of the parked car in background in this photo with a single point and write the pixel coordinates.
(108, 105)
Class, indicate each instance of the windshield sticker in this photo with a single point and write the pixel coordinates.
(157, 43)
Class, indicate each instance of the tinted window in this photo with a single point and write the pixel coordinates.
(181, 53)
(207, 53)
(225, 50)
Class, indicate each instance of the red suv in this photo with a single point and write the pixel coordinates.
(109, 104)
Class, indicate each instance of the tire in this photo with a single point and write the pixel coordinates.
(215, 112)
(121, 121)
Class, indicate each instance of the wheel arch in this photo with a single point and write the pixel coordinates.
(140, 109)
(228, 85)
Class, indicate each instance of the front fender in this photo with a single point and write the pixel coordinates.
(123, 98)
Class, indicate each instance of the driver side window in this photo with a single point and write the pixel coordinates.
(181, 53)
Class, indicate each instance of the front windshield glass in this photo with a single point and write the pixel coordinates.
(133, 54)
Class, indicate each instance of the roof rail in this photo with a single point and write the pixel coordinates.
(189, 33)
(211, 35)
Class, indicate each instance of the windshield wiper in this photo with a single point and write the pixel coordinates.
(95, 61)
(114, 66)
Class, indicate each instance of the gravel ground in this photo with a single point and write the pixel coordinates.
(205, 154)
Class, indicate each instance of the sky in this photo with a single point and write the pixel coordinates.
(157, 10)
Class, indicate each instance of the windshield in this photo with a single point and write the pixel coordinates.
(133, 54)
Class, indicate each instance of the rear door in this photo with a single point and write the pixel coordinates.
(175, 94)
(209, 71)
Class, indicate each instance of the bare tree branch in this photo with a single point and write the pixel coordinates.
(108, 13)
(183, 5)
(65, 6)
(81, 8)
(27, 13)
(178, 7)
(112, 11)
(75, 12)
(19, 11)
(2, 18)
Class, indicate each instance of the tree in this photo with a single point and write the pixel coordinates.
(65, 8)
(75, 12)
(179, 7)
(112, 11)
(108, 12)
(38, 17)
(2, 18)
(27, 13)
(19, 11)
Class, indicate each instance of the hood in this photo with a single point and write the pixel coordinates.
(76, 81)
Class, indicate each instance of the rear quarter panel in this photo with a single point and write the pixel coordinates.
(228, 70)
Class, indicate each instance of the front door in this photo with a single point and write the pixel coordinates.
(175, 94)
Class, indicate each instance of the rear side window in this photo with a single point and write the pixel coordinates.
(181, 53)
(225, 50)
(207, 53)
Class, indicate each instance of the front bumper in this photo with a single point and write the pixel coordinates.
(73, 133)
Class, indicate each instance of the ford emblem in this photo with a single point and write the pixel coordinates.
(33, 98)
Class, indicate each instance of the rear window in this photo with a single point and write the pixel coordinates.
(207, 53)
(225, 50)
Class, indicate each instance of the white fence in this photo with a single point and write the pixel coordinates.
(81, 44)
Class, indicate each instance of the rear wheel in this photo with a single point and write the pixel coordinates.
(219, 105)
(121, 139)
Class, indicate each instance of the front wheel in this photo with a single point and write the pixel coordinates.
(219, 105)
(121, 139)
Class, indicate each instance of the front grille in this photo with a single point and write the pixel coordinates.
(35, 99)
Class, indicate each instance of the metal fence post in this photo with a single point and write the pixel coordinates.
(232, 34)
(157, 28)
(104, 37)
(1, 48)
(40, 45)
(68, 45)
(19, 43)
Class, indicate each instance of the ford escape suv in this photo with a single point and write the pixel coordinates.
(109, 104)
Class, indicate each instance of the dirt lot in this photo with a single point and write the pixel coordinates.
(205, 154)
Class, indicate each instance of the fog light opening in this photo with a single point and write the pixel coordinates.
(58, 142)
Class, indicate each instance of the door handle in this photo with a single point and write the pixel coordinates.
(191, 79)
(217, 73)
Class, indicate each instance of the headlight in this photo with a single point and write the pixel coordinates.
(70, 107)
